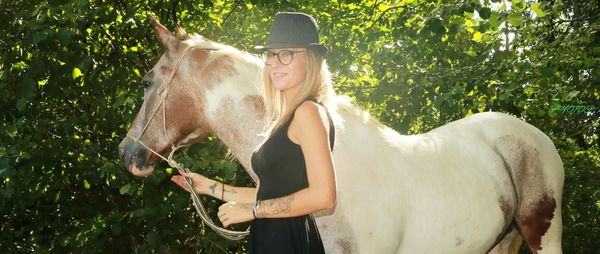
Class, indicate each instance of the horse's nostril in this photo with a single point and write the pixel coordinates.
(125, 152)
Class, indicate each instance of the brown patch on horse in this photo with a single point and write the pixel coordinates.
(256, 103)
(179, 46)
(535, 206)
(345, 245)
(185, 112)
(210, 73)
(535, 221)
(165, 71)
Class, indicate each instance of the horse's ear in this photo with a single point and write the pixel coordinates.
(181, 34)
(165, 37)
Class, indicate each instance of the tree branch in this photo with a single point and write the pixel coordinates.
(382, 14)
(235, 5)
(174, 12)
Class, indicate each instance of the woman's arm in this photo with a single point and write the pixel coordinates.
(321, 192)
(227, 193)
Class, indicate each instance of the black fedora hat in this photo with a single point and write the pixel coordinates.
(294, 30)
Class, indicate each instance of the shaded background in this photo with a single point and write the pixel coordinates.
(70, 75)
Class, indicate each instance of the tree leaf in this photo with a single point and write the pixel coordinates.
(515, 20)
(125, 189)
(494, 20)
(76, 73)
(571, 95)
(484, 12)
(477, 36)
(21, 104)
(538, 11)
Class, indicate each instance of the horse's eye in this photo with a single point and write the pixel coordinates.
(146, 79)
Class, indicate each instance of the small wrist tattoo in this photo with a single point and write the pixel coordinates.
(213, 188)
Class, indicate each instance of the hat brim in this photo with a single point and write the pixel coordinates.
(321, 49)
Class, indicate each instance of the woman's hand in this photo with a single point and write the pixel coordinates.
(201, 184)
(234, 213)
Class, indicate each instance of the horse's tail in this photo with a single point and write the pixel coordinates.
(537, 174)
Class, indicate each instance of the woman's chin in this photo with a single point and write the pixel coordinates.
(280, 87)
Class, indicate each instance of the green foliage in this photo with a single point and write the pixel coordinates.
(70, 73)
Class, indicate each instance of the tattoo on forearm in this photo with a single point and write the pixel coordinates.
(213, 188)
(248, 206)
(275, 206)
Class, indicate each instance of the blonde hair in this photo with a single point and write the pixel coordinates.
(317, 86)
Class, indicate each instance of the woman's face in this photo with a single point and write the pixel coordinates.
(292, 75)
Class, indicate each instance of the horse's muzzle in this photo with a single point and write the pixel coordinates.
(135, 157)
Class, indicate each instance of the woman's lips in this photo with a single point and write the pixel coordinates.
(279, 74)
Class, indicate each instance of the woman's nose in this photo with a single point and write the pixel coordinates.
(275, 63)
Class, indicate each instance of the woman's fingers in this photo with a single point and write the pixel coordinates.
(225, 213)
(232, 213)
(179, 181)
(225, 222)
(188, 175)
(195, 178)
(223, 218)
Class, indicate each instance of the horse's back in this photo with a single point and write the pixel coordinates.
(511, 137)
(445, 191)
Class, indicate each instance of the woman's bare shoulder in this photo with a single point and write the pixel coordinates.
(310, 113)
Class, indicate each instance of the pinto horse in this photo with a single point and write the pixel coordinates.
(477, 185)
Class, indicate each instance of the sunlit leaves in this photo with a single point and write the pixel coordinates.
(518, 5)
(125, 189)
(515, 20)
(477, 36)
(536, 7)
(76, 73)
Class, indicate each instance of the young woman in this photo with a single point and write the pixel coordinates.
(294, 165)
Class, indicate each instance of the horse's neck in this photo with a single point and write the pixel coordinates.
(239, 129)
(236, 115)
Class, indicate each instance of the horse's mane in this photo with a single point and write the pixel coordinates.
(219, 50)
(242, 62)
(344, 106)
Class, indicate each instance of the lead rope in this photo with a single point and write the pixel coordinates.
(162, 92)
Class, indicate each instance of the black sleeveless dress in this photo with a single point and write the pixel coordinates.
(279, 164)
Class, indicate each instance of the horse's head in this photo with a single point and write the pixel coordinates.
(176, 93)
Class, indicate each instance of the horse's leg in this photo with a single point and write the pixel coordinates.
(538, 176)
(541, 227)
(509, 245)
